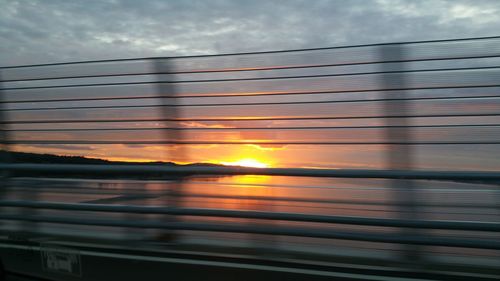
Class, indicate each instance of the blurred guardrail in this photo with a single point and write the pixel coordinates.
(400, 98)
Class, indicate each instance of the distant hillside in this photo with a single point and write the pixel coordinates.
(35, 158)
(24, 157)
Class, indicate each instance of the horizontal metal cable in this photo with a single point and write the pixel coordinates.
(86, 190)
(427, 224)
(236, 170)
(66, 184)
(250, 94)
(277, 201)
(23, 182)
(253, 128)
(344, 202)
(248, 79)
(314, 205)
(252, 103)
(56, 121)
(251, 142)
(254, 68)
(431, 240)
(261, 52)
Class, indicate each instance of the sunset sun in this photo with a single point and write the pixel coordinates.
(247, 162)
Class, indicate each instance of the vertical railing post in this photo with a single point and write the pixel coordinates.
(4, 136)
(399, 155)
(4, 143)
(169, 111)
(25, 227)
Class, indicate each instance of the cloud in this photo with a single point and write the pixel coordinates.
(202, 125)
(62, 147)
(267, 147)
(57, 30)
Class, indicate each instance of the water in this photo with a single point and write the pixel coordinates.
(436, 200)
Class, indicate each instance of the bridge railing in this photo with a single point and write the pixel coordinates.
(401, 114)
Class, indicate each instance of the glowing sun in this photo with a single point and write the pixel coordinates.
(247, 162)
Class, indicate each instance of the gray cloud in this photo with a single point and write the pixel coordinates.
(59, 30)
(62, 30)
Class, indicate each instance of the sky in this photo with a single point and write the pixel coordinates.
(60, 30)
(34, 32)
